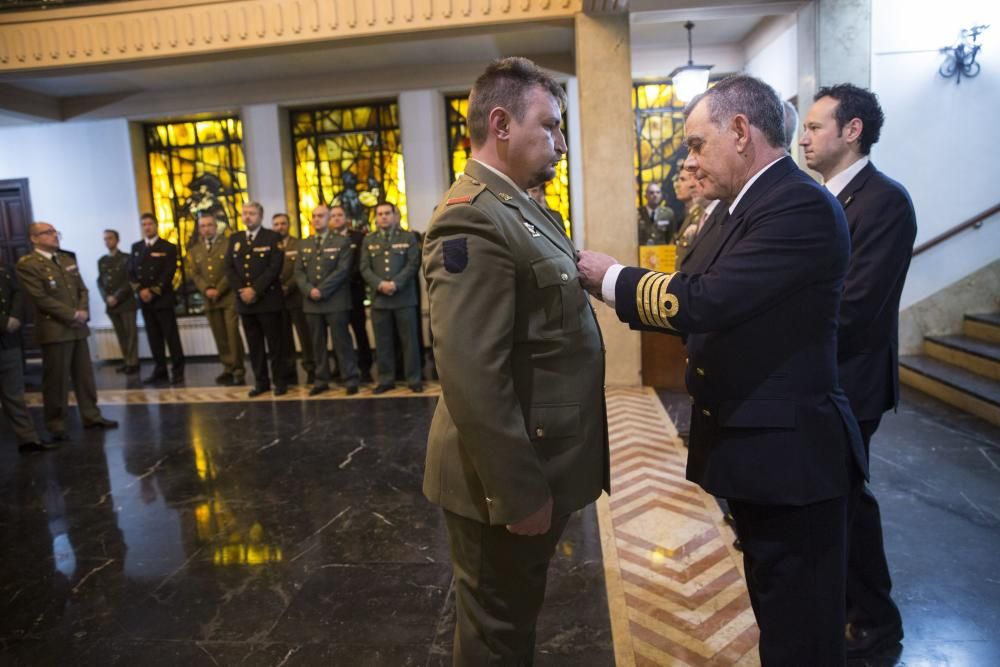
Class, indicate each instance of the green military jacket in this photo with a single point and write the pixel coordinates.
(289, 286)
(391, 256)
(207, 268)
(325, 265)
(57, 292)
(11, 305)
(520, 357)
(113, 280)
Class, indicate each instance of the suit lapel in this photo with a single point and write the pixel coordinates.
(846, 196)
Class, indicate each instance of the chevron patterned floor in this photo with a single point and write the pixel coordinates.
(675, 585)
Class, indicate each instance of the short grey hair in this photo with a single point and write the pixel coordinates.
(257, 205)
(791, 122)
(747, 95)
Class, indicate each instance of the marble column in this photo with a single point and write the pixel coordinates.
(425, 153)
(269, 160)
(607, 154)
(834, 38)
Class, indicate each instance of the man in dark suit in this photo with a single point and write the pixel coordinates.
(253, 268)
(771, 431)
(151, 270)
(293, 316)
(839, 131)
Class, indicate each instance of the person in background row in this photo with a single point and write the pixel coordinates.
(323, 273)
(253, 268)
(206, 262)
(119, 300)
(51, 279)
(791, 123)
(390, 259)
(293, 315)
(688, 193)
(840, 129)
(12, 365)
(655, 218)
(340, 224)
(537, 194)
(151, 270)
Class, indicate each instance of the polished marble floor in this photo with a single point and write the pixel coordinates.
(211, 530)
(253, 533)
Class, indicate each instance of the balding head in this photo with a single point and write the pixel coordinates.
(44, 236)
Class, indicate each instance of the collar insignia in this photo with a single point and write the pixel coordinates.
(531, 228)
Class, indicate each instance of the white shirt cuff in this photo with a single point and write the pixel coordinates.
(608, 284)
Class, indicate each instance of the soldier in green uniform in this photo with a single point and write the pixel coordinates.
(52, 281)
(12, 365)
(390, 259)
(323, 273)
(519, 438)
(119, 299)
(293, 315)
(206, 264)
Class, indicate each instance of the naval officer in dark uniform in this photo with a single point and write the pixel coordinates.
(152, 266)
(771, 429)
(253, 268)
(390, 259)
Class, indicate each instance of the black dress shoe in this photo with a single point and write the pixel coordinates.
(37, 446)
(121, 369)
(382, 388)
(156, 378)
(226, 379)
(865, 642)
(280, 390)
(257, 391)
(318, 389)
(131, 370)
(102, 423)
(729, 519)
(417, 388)
(737, 544)
(239, 380)
(177, 378)
(352, 389)
(59, 436)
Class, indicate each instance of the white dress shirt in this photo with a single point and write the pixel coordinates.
(837, 183)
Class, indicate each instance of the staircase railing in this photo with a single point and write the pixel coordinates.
(975, 222)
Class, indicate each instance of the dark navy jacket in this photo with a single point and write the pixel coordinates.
(883, 227)
(154, 268)
(257, 265)
(769, 422)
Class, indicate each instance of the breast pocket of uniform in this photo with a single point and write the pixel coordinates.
(553, 428)
(561, 297)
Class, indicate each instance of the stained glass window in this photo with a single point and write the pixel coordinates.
(350, 156)
(659, 122)
(460, 147)
(194, 166)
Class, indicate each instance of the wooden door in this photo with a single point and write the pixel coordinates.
(15, 216)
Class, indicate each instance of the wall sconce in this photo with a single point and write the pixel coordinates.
(690, 80)
(961, 60)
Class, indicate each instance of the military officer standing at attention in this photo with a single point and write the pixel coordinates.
(519, 438)
(151, 270)
(840, 129)
(119, 299)
(390, 259)
(293, 315)
(207, 268)
(253, 268)
(12, 365)
(323, 272)
(771, 429)
(340, 224)
(51, 279)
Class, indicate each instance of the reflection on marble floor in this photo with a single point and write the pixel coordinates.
(252, 533)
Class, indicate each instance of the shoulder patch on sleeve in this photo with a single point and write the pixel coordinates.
(456, 255)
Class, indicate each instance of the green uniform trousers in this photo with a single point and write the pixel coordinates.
(499, 590)
(386, 323)
(338, 323)
(12, 395)
(225, 326)
(61, 364)
(127, 334)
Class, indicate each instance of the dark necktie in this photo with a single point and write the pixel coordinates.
(55, 259)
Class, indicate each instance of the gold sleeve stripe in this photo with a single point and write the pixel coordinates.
(654, 304)
(641, 298)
